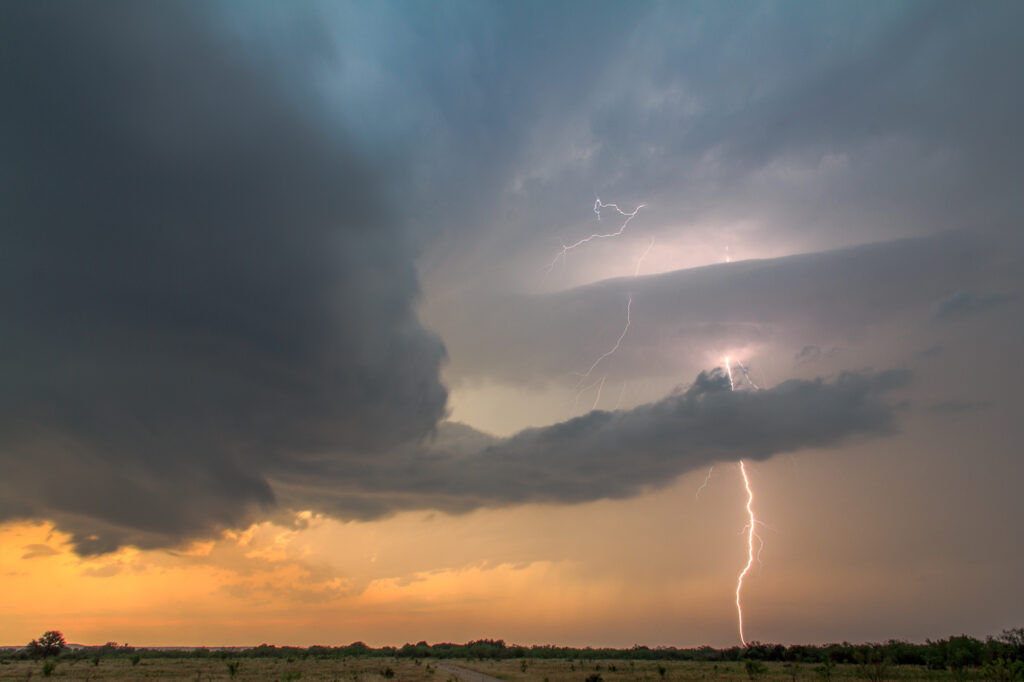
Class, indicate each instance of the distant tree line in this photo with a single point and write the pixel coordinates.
(956, 653)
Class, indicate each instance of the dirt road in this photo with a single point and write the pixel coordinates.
(464, 674)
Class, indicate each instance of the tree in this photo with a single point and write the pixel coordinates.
(50, 644)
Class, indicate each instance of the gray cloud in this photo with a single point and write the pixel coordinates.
(37, 550)
(948, 407)
(605, 454)
(807, 354)
(677, 317)
(963, 302)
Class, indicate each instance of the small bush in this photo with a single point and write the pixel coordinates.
(48, 668)
(388, 673)
(596, 677)
(233, 668)
(135, 659)
(1003, 670)
(755, 669)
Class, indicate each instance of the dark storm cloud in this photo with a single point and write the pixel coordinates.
(607, 454)
(199, 277)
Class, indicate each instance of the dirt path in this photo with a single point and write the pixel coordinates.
(465, 674)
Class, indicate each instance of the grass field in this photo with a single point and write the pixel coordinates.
(409, 670)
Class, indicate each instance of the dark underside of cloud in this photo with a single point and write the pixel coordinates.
(602, 454)
(209, 310)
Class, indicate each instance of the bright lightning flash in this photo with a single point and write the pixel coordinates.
(750, 547)
(751, 527)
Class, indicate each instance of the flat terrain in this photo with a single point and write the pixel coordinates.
(433, 670)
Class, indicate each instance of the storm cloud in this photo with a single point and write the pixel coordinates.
(200, 276)
(605, 454)
(215, 224)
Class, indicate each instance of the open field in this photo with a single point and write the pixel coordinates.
(375, 669)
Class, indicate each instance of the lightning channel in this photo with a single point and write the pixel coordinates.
(586, 375)
(597, 398)
(750, 548)
(598, 205)
(705, 483)
(746, 375)
(639, 262)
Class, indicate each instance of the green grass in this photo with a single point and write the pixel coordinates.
(407, 670)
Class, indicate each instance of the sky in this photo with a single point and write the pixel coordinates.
(308, 337)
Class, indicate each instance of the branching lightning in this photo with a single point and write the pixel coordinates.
(598, 205)
(751, 527)
(746, 375)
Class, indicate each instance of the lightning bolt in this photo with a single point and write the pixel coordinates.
(599, 383)
(705, 483)
(597, 399)
(618, 402)
(746, 375)
(629, 304)
(598, 205)
(750, 548)
(752, 522)
(639, 262)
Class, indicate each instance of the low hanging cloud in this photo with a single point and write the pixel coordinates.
(602, 454)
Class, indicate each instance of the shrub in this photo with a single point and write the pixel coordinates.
(755, 669)
(825, 669)
(48, 668)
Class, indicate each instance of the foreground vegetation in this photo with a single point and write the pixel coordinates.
(954, 658)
